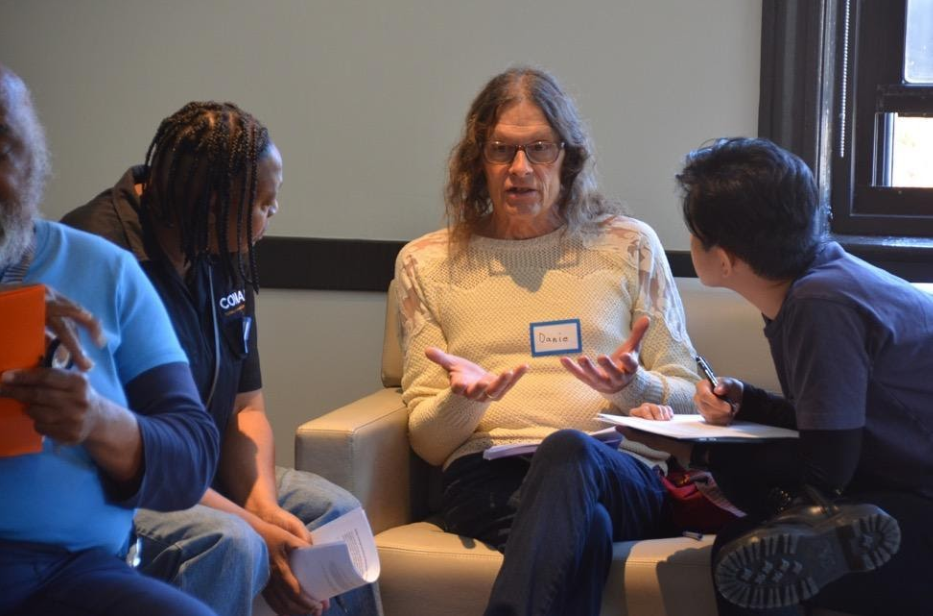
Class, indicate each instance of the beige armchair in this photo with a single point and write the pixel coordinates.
(427, 572)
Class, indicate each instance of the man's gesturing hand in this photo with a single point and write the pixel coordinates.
(613, 372)
(472, 381)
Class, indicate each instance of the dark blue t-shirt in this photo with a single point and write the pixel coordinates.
(853, 348)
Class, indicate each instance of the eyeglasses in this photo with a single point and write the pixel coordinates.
(537, 152)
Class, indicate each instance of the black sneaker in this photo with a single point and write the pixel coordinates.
(789, 558)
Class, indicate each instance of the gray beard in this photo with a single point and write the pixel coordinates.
(17, 213)
(15, 231)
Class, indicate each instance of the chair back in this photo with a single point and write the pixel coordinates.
(391, 349)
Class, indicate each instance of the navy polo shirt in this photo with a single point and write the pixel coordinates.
(192, 308)
(114, 214)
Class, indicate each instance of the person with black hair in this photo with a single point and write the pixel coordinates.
(852, 348)
(191, 215)
(123, 428)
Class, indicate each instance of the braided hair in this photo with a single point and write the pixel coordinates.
(202, 161)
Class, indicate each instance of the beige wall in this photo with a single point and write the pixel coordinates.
(365, 99)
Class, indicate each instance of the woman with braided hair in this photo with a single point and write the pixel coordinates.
(191, 215)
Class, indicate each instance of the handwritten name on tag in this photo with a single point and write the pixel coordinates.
(555, 337)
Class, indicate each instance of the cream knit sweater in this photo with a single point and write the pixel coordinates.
(478, 302)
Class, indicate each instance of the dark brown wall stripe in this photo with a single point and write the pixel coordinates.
(319, 264)
(326, 264)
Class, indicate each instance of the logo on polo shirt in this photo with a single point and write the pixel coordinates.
(233, 301)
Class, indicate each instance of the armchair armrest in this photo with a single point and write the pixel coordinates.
(363, 447)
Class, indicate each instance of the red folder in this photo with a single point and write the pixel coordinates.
(22, 344)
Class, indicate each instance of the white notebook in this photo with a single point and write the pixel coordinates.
(695, 428)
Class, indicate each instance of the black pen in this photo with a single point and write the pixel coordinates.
(703, 366)
(707, 371)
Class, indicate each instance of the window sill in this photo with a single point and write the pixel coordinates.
(910, 258)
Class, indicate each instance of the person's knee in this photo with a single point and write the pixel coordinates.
(236, 537)
(342, 501)
(313, 499)
(565, 446)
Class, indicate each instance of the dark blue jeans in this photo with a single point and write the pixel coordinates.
(39, 580)
(560, 515)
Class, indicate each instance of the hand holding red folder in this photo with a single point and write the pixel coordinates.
(26, 313)
(22, 323)
(61, 318)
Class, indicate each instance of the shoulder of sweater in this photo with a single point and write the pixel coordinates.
(623, 234)
(428, 247)
(626, 225)
(429, 243)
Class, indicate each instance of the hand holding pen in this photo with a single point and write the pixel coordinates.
(717, 400)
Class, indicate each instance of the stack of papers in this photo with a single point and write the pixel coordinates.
(343, 557)
(609, 436)
(695, 428)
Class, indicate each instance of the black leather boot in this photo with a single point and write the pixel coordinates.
(812, 542)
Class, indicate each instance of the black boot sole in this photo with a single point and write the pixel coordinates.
(789, 563)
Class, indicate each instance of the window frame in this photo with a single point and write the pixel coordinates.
(870, 69)
(806, 80)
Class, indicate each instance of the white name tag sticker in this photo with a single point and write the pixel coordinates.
(555, 338)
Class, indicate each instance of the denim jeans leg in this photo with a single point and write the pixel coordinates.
(210, 554)
(481, 497)
(51, 580)
(560, 533)
(316, 501)
(592, 569)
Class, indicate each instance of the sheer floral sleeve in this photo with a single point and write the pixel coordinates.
(439, 421)
(669, 374)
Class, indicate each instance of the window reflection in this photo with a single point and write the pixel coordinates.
(918, 50)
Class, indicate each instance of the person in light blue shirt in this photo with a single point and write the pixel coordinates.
(122, 429)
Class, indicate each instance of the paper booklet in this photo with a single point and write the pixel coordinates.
(22, 330)
(695, 428)
(342, 557)
(609, 436)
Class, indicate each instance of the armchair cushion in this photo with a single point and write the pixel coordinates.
(363, 447)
